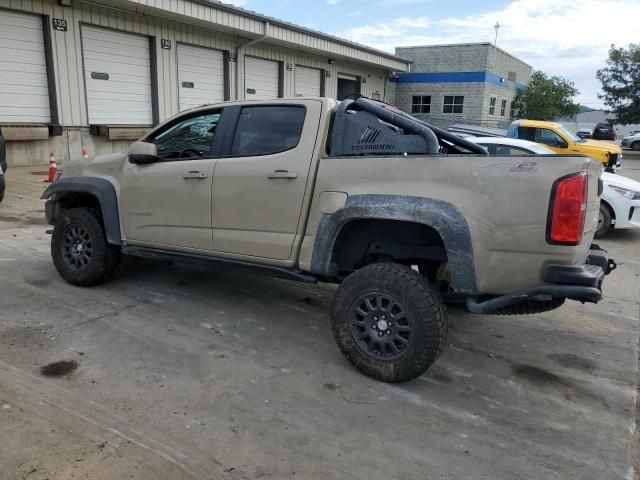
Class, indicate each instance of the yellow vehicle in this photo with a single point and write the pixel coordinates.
(560, 140)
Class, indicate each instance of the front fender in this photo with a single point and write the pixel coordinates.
(443, 217)
(99, 188)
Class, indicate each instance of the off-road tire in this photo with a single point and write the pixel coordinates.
(529, 307)
(104, 259)
(606, 223)
(424, 312)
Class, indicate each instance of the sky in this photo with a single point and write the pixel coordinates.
(560, 37)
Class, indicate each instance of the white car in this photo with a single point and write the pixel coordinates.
(620, 204)
(620, 201)
(510, 146)
(631, 142)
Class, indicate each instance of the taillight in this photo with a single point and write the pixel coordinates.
(567, 210)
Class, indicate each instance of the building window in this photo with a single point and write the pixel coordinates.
(511, 76)
(421, 104)
(492, 106)
(453, 104)
(512, 113)
(503, 108)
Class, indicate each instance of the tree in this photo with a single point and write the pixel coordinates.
(621, 83)
(546, 98)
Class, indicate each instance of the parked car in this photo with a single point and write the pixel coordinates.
(620, 200)
(561, 140)
(3, 165)
(620, 204)
(507, 147)
(603, 131)
(631, 142)
(584, 133)
(356, 193)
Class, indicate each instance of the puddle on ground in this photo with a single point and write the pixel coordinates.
(59, 369)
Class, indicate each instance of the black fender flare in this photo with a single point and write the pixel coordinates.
(442, 216)
(102, 189)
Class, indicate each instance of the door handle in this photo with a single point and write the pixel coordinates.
(282, 174)
(194, 176)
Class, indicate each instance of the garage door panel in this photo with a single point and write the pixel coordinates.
(24, 90)
(201, 78)
(104, 35)
(125, 98)
(132, 72)
(19, 20)
(122, 88)
(262, 76)
(25, 115)
(308, 81)
(13, 41)
(20, 56)
(39, 90)
(125, 61)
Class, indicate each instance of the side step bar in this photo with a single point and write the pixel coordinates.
(268, 270)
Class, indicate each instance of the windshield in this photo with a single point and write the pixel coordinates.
(570, 135)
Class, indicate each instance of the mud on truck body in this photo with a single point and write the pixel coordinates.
(403, 216)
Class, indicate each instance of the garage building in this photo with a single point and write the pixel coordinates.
(98, 74)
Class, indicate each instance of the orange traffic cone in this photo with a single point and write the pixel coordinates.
(85, 154)
(52, 168)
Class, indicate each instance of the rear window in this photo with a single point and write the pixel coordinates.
(264, 130)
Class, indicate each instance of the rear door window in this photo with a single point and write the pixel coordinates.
(265, 130)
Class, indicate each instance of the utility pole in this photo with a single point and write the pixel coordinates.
(496, 27)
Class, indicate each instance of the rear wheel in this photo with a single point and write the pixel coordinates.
(604, 221)
(389, 322)
(80, 250)
(635, 146)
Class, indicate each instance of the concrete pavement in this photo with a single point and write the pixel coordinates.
(186, 372)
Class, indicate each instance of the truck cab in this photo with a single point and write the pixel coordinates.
(561, 140)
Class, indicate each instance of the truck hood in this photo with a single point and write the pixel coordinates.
(102, 165)
(599, 146)
(620, 181)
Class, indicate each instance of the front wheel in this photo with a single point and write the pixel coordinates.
(80, 250)
(388, 322)
(635, 146)
(604, 221)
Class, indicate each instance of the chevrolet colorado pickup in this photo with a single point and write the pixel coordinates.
(402, 215)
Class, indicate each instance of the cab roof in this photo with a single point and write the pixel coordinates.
(536, 123)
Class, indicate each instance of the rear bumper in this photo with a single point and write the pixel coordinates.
(581, 282)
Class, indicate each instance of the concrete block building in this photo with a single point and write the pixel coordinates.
(462, 83)
(98, 74)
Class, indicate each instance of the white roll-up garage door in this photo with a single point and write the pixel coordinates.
(117, 72)
(308, 82)
(200, 76)
(24, 90)
(261, 78)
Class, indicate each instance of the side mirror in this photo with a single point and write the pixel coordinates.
(143, 153)
(562, 145)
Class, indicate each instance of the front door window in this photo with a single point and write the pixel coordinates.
(188, 139)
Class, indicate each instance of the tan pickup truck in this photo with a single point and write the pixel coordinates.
(402, 215)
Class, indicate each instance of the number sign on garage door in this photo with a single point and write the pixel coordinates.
(24, 90)
(261, 78)
(201, 78)
(308, 82)
(117, 72)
